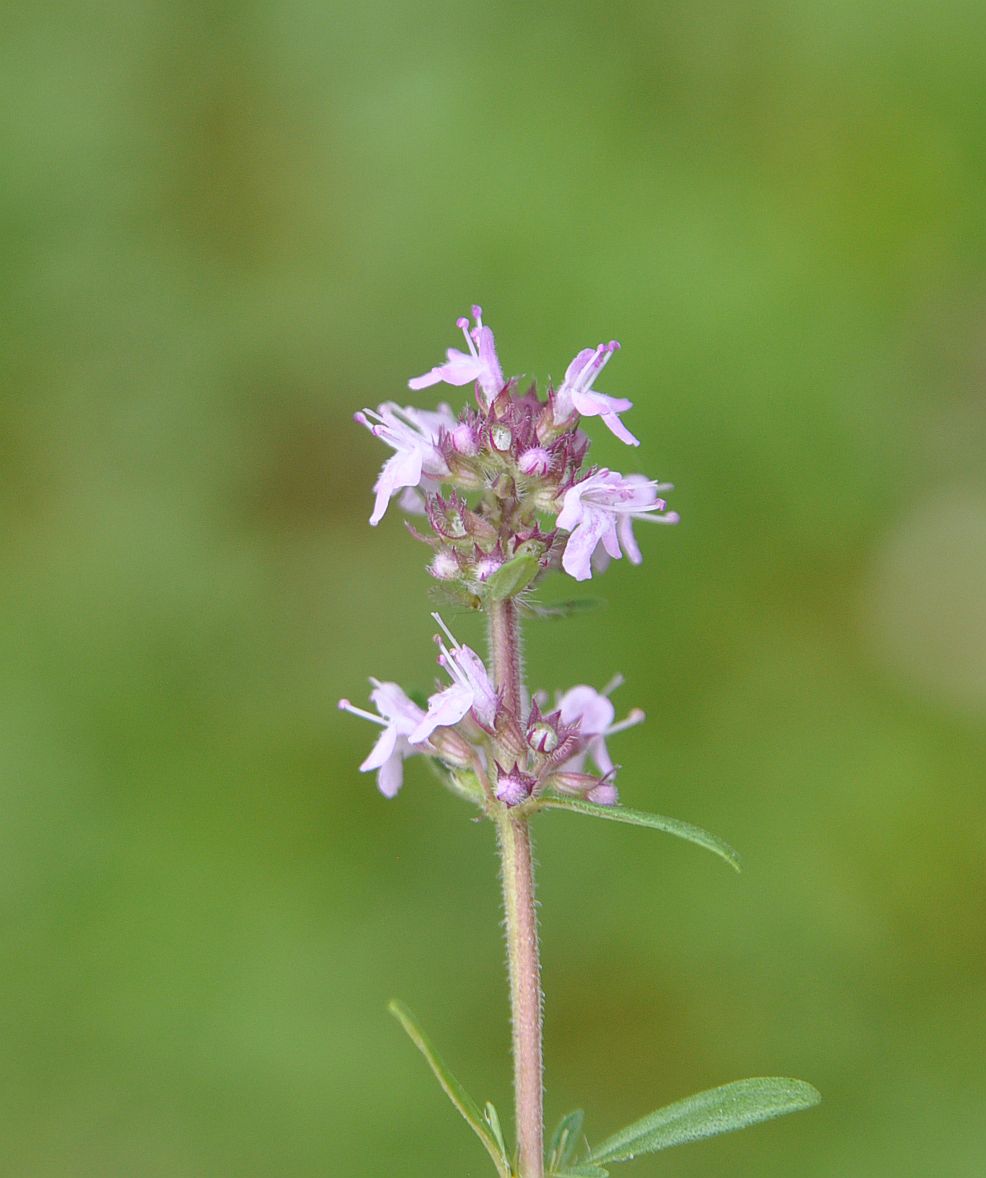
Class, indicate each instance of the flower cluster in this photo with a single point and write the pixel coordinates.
(467, 726)
(522, 459)
(507, 497)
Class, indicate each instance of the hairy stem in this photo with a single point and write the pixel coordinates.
(523, 957)
(505, 649)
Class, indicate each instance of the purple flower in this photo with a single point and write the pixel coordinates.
(399, 717)
(472, 690)
(413, 435)
(480, 363)
(600, 510)
(576, 394)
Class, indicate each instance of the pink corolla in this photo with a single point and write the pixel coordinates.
(472, 690)
(576, 394)
(399, 716)
(413, 435)
(600, 510)
(594, 713)
(479, 363)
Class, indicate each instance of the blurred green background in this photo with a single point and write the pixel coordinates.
(227, 226)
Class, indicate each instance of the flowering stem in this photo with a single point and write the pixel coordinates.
(523, 957)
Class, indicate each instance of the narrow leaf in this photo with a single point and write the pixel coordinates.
(682, 830)
(512, 577)
(451, 1086)
(492, 1118)
(707, 1114)
(565, 1139)
(458, 596)
(562, 609)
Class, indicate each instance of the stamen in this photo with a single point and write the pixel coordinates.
(611, 686)
(447, 632)
(346, 706)
(637, 716)
(672, 517)
(463, 322)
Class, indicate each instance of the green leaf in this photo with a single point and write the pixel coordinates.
(458, 596)
(707, 1114)
(512, 577)
(682, 830)
(562, 609)
(585, 1171)
(565, 1139)
(492, 1118)
(451, 1086)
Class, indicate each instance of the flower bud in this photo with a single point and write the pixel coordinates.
(535, 463)
(464, 440)
(501, 438)
(446, 516)
(444, 566)
(604, 794)
(451, 747)
(542, 737)
(486, 565)
(513, 787)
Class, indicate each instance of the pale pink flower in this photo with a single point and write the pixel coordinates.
(413, 436)
(600, 510)
(472, 690)
(576, 394)
(594, 713)
(399, 716)
(480, 363)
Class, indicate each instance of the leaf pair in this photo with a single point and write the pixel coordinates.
(706, 1114)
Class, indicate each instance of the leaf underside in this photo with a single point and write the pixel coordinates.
(513, 577)
(707, 1114)
(682, 830)
(490, 1137)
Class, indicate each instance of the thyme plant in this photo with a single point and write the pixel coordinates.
(507, 499)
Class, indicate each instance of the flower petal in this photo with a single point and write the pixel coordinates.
(444, 709)
(460, 369)
(590, 403)
(382, 750)
(591, 708)
(616, 427)
(392, 703)
(576, 559)
(402, 469)
(391, 776)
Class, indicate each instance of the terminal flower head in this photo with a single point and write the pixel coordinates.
(472, 690)
(576, 394)
(479, 363)
(413, 435)
(399, 716)
(600, 510)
